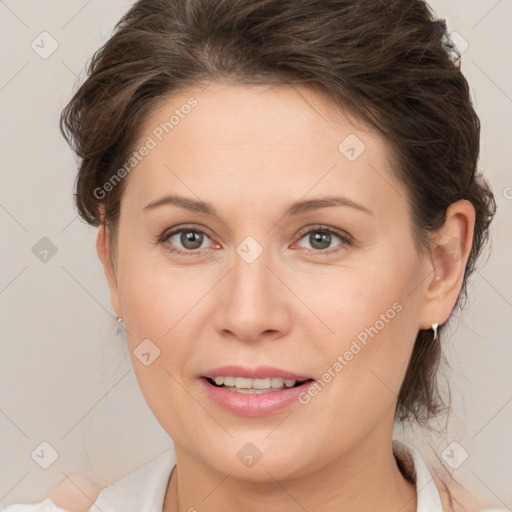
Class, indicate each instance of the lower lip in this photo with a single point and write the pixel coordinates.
(254, 405)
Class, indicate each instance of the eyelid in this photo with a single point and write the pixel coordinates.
(346, 240)
(192, 227)
(343, 235)
(322, 227)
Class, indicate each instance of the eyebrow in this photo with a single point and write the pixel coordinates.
(295, 209)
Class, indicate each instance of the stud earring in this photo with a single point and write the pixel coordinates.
(119, 320)
(434, 328)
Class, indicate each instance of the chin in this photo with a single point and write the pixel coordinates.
(259, 458)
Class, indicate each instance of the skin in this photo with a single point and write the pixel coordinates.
(250, 152)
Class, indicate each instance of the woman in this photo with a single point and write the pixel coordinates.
(288, 210)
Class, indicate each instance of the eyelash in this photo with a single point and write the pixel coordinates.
(345, 238)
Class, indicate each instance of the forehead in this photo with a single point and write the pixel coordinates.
(259, 143)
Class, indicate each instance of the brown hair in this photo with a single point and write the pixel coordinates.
(391, 60)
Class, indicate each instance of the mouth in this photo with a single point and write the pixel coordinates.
(250, 386)
(255, 392)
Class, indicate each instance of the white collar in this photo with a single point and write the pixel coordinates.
(144, 489)
(415, 467)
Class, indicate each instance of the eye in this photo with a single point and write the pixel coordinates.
(189, 241)
(321, 237)
(189, 238)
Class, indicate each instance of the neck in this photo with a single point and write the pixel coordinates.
(366, 478)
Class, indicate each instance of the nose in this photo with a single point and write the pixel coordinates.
(254, 303)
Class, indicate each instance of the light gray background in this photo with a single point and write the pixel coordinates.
(65, 373)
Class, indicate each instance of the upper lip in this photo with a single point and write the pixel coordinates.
(260, 372)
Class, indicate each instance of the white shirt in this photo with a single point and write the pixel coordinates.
(143, 490)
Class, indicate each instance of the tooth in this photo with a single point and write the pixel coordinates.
(277, 382)
(243, 383)
(229, 381)
(261, 383)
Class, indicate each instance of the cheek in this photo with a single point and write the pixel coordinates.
(161, 308)
(159, 313)
(156, 304)
(372, 314)
(154, 294)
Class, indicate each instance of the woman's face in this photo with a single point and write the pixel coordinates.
(272, 286)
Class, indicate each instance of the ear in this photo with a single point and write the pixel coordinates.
(446, 264)
(104, 253)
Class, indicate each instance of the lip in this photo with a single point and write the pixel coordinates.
(261, 372)
(254, 405)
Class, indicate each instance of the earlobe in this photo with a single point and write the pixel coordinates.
(447, 263)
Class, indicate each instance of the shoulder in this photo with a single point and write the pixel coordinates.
(142, 489)
(75, 492)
